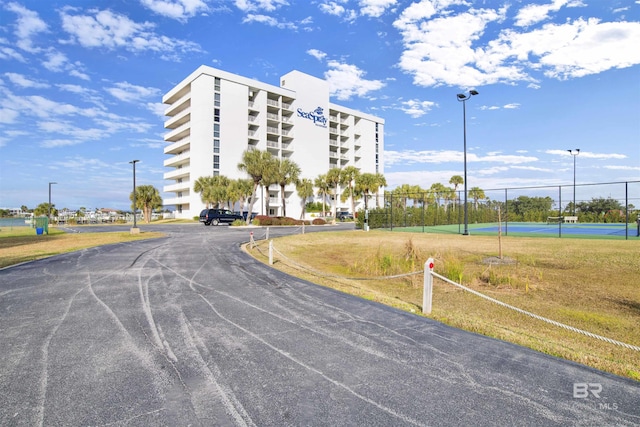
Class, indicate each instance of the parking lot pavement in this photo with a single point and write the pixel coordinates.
(188, 330)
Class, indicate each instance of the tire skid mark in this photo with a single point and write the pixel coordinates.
(310, 368)
(459, 370)
(108, 309)
(44, 377)
(211, 371)
(287, 355)
(143, 288)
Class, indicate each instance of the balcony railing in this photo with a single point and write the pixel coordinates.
(177, 146)
(178, 159)
(179, 186)
(177, 173)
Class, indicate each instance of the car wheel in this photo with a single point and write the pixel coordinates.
(207, 223)
(216, 222)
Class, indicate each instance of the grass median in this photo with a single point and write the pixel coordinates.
(591, 285)
(21, 244)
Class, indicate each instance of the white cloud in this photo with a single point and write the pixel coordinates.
(347, 80)
(319, 55)
(534, 13)
(10, 53)
(375, 8)
(445, 47)
(27, 26)
(416, 108)
(109, 30)
(23, 82)
(255, 5)
(588, 155)
(127, 92)
(445, 156)
(270, 21)
(176, 9)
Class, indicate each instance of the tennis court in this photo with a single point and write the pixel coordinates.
(537, 229)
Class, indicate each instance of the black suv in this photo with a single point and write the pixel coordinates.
(217, 216)
(344, 216)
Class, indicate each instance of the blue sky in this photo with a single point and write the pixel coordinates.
(82, 83)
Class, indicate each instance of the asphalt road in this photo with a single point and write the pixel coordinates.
(188, 330)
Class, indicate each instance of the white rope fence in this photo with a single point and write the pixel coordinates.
(428, 289)
(431, 273)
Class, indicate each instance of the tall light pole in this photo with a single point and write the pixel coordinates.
(574, 153)
(50, 199)
(134, 229)
(463, 98)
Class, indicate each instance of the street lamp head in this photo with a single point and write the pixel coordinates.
(461, 96)
(134, 161)
(473, 92)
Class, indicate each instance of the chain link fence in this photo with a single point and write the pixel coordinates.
(443, 209)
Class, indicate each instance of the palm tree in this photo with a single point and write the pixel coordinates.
(438, 190)
(381, 181)
(304, 187)
(255, 163)
(287, 173)
(348, 178)
(240, 191)
(203, 185)
(476, 194)
(366, 183)
(147, 199)
(323, 189)
(456, 180)
(333, 179)
(219, 189)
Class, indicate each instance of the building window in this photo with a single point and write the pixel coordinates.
(216, 114)
(216, 145)
(217, 84)
(216, 130)
(216, 162)
(216, 99)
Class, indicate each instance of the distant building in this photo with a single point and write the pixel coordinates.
(214, 116)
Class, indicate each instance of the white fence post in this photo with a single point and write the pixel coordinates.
(270, 252)
(267, 238)
(303, 227)
(428, 287)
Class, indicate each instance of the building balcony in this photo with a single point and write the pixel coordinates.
(272, 130)
(178, 133)
(183, 186)
(178, 173)
(178, 105)
(178, 146)
(177, 160)
(180, 118)
(174, 201)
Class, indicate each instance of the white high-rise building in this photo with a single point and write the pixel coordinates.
(214, 116)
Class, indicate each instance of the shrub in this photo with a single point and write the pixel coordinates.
(318, 221)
